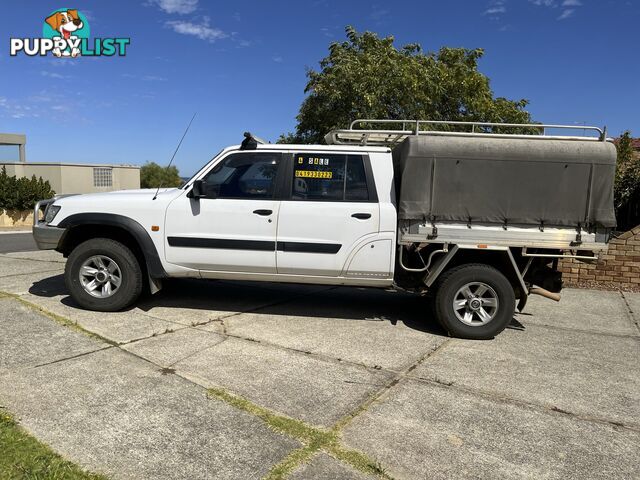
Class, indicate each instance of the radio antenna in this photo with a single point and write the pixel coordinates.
(174, 153)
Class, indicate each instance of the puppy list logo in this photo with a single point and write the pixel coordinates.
(65, 33)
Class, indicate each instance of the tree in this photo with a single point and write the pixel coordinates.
(368, 77)
(153, 175)
(627, 184)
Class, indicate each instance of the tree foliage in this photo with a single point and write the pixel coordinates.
(627, 186)
(22, 193)
(153, 175)
(368, 77)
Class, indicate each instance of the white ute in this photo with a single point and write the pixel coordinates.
(474, 217)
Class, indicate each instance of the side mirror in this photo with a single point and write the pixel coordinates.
(197, 190)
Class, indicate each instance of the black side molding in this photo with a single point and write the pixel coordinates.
(223, 243)
(154, 265)
(309, 247)
(262, 245)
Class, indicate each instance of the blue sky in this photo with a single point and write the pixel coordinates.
(241, 66)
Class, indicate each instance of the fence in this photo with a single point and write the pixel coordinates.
(619, 268)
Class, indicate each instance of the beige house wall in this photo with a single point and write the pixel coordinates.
(76, 178)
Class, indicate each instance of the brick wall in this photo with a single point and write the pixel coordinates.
(619, 268)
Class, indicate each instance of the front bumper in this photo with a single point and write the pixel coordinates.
(46, 237)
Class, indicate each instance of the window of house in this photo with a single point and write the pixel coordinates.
(102, 177)
(329, 177)
(243, 175)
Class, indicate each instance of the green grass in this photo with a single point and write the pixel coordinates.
(299, 456)
(313, 439)
(24, 457)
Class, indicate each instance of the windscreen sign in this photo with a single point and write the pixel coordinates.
(66, 33)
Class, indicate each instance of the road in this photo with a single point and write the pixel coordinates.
(17, 242)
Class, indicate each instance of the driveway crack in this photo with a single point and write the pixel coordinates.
(83, 354)
(545, 408)
(579, 330)
(29, 273)
(380, 393)
(630, 313)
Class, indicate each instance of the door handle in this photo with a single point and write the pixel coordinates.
(264, 213)
(361, 216)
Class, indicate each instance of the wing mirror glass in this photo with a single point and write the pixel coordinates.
(197, 189)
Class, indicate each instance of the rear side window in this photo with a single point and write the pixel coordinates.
(329, 177)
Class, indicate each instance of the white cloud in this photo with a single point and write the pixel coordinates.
(181, 7)
(277, 59)
(544, 3)
(145, 78)
(62, 62)
(17, 109)
(153, 78)
(44, 73)
(378, 13)
(566, 13)
(568, 7)
(326, 32)
(556, 3)
(200, 30)
(88, 14)
(495, 10)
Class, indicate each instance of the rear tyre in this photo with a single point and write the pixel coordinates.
(103, 275)
(474, 301)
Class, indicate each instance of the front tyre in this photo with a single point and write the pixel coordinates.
(474, 301)
(103, 275)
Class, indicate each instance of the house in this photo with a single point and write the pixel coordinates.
(71, 177)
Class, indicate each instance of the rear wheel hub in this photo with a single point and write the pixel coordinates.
(475, 304)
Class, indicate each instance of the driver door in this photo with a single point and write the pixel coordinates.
(233, 227)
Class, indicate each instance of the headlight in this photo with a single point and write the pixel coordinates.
(51, 213)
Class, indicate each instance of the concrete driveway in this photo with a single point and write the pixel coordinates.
(213, 379)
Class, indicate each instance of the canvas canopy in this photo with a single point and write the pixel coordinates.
(512, 181)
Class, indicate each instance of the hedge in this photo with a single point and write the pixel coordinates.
(22, 193)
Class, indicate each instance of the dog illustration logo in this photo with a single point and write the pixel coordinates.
(69, 25)
(66, 33)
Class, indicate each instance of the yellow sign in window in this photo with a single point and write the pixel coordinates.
(313, 174)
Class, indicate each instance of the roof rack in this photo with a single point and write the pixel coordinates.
(357, 134)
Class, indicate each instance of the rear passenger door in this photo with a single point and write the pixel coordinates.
(330, 206)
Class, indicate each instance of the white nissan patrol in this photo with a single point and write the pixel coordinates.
(330, 214)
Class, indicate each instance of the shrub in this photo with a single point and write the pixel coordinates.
(627, 187)
(153, 175)
(22, 193)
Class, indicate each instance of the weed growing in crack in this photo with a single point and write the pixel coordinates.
(313, 438)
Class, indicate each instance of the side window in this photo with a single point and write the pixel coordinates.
(243, 175)
(318, 177)
(356, 188)
(330, 177)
